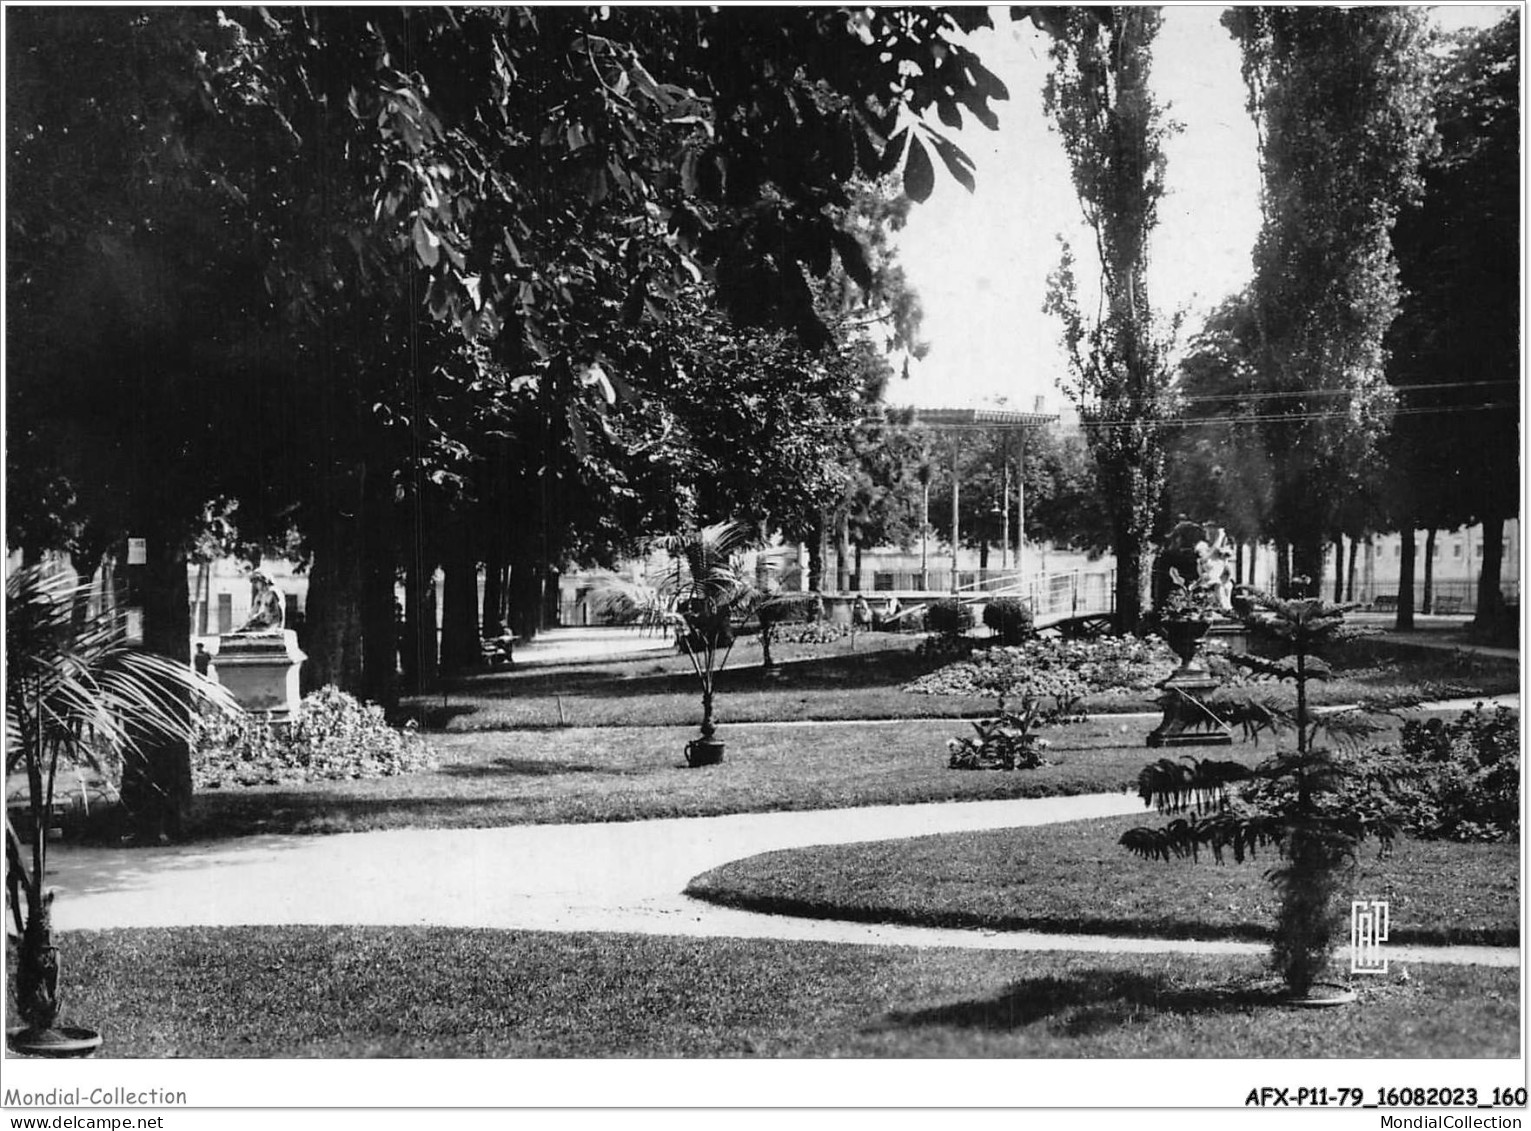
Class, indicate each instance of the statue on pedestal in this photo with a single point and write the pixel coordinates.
(266, 609)
(259, 661)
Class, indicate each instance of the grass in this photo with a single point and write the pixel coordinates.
(437, 992)
(830, 682)
(580, 775)
(1075, 878)
(492, 779)
(637, 773)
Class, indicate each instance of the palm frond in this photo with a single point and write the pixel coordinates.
(1187, 837)
(1192, 783)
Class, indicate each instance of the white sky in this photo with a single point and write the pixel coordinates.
(980, 262)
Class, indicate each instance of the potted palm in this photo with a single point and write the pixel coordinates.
(75, 695)
(707, 591)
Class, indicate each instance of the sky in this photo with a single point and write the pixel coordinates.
(980, 261)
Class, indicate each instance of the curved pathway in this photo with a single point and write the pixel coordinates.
(594, 877)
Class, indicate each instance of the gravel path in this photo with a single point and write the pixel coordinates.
(595, 877)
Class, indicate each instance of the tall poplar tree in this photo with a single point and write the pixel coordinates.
(1113, 130)
(1341, 100)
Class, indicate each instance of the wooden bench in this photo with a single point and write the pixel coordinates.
(497, 650)
(1447, 606)
(1386, 603)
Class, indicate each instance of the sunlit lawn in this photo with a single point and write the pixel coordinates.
(436, 992)
(1074, 877)
(836, 681)
(495, 778)
(632, 773)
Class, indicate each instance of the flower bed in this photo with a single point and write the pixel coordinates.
(1118, 663)
(333, 737)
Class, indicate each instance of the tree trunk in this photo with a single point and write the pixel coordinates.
(525, 592)
(1350, 570)
(493, 616)
(1339, 571)
(552, 592)
(816, 559)
(1428, 601)
(335, 587)
(1308, 563)
(842, 554)
(156, 786)
(380, 672)
(459, 600)
(418, 647)
(1132, 585)
(1490, 601)
(1283, 571)
(1405, 621)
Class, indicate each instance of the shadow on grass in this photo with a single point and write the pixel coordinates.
(625, 680)
(534, 768)
(1127, 927)
(219, 815)
(1087, 1002)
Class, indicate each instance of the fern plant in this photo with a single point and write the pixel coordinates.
(1311, 806)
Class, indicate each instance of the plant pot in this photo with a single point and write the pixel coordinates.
(1184, 639)
(704, 752)
(55, 1043)
(1321, 995)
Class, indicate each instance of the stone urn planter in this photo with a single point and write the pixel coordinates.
(1187, 721)
(1184, 638)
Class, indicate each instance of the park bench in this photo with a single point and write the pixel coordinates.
(497, 650)
(1386, 603)
(1448, 606)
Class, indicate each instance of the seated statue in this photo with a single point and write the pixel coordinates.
(266, 609)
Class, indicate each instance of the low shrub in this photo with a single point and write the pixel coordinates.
(949, 617)
(1466, 780)
(332, 737)
(1005, 743)
(940, 646)
(1010, 618)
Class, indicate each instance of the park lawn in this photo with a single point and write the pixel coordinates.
(1076, 878)
(440, 992)
(497, 778)
(832, 681)
(500, 778)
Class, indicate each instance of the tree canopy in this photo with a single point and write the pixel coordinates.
(1341, 99)
(1113, 131)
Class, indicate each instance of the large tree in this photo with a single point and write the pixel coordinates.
(1219, 472)
(1113, 129)
(1454, 351)
(1341, 99)
(521, 178)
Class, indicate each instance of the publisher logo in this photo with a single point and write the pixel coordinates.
(1368, 931)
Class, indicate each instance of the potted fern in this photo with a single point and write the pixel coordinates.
(1312, 806)
(75, 695)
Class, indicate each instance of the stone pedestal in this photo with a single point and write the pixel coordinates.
(1187, 722)
(261, 671)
